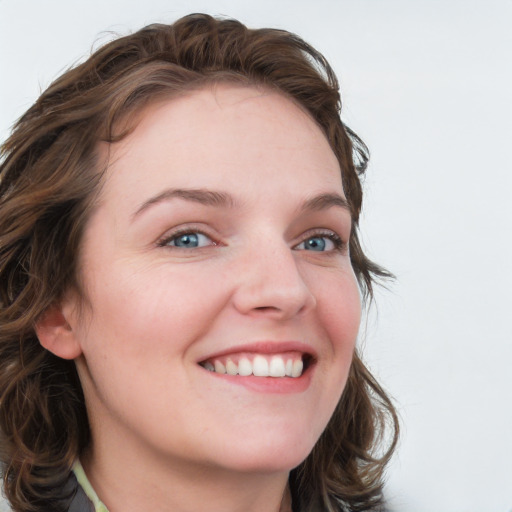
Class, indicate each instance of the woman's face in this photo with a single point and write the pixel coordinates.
(219, 244)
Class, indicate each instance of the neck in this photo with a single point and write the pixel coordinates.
(125, 484)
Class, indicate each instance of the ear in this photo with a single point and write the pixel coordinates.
(56, 334)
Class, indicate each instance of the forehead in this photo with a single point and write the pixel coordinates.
(219, 132)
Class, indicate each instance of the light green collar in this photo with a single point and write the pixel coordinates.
(82, 479)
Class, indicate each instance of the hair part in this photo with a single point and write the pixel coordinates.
(50, 177)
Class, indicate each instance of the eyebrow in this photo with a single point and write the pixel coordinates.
(326, 201)
(217, 198)
(196, 195)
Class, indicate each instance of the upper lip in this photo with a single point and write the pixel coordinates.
(265, 347)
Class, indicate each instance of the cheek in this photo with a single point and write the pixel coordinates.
(339, 309)
(155, 307)
(141, 329)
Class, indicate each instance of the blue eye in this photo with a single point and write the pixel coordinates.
(316, 243)
(189, 240)
(320, 243)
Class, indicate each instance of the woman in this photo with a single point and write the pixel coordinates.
(181, 280)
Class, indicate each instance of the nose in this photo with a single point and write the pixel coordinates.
(270, 283)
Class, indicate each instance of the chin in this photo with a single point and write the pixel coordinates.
(269, 457)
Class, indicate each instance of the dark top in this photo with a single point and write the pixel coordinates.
(79, 500)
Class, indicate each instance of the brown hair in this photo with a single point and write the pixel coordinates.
(49, 177)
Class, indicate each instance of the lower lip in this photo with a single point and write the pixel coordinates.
(278, 385)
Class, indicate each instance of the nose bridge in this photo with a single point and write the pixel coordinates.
(270, 280)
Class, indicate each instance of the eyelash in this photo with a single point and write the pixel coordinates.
(338, 242)
(165, 241)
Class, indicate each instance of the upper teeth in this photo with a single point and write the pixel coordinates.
(260, 366)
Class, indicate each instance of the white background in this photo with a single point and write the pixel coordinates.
(428, 85)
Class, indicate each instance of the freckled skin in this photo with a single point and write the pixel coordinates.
(156, 310)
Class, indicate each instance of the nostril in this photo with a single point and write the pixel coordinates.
(278, 291)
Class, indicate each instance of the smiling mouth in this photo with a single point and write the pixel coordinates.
(289, 364)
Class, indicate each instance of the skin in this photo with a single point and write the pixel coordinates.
(166, 433)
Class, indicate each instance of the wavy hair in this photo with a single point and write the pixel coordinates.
(49, 178)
